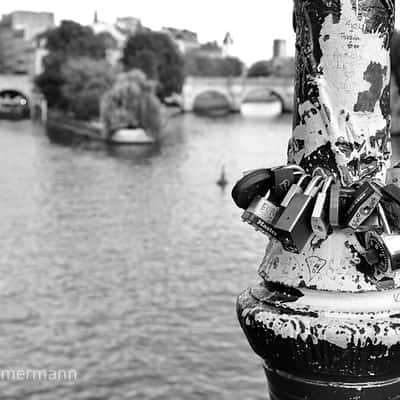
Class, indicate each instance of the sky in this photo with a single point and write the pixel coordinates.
(253, 24)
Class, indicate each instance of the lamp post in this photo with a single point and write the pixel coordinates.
(324, 324)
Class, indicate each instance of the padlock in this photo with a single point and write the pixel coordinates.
(294, 225)
(260, 214)
(295, 188)
(393, 175)
(392, 191)
(363, 204)
(319, 221)
(391, 204)
(283, 178)
(263, 211)
(392, 211)
(339, 200)
(258, 182)
(255, 183)
(386, 247)
(372, 223)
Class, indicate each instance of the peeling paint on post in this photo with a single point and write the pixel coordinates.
(343, 86)
(325, 328)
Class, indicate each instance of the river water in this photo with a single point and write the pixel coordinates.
(125, 264)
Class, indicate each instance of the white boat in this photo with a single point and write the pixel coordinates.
(131, 136)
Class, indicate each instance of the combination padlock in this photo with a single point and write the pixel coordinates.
(385, 246)
(339, 200)
(294, 225)
(319, 221)
(263, 212)
(363, 204)
(260, 214)
(258, 182)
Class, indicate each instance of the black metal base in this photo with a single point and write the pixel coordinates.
(284, 386)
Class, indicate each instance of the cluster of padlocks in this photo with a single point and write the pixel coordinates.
(291, 206)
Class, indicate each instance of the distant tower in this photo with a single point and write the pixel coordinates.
(96, 18)
(227, 45)
(279, 48)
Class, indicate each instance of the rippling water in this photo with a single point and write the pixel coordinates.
(125, 263)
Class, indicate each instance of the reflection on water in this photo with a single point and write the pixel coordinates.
(137, 153)
(125, 263)
(261, 110)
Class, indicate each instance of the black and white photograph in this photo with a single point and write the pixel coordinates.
(200, 200)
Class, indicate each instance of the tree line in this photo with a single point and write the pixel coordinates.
(76, 72)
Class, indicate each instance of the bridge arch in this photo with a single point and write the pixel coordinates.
(24, 84)
(215, 98)
(11, 92)
(263, 90)
(235, 90)
(14, 102)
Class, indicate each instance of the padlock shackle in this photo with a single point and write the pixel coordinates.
(271, 190)
(319, 171)
(293, 166)
(288, 166)
(377, 182)
(383, 219)
(297, 189)
(327, 184)
(302, 179)
(315, 183)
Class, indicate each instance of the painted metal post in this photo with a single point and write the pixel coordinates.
(326, 327)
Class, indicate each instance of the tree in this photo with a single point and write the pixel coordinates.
(85, 82)
(50, 80)
(232, 66)
(260, 69)
(278, 67)
(70, 39)
(158, 57)
(146, 61)
(75, 40)
(202, 65)
(131, 102)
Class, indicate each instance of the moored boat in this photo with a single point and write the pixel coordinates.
(131, 136)
(96, 131)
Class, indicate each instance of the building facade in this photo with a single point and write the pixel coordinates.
(279, 50)
(18, 31)
(186, 40)
(227, 44)
(117, 34)
(129, 25)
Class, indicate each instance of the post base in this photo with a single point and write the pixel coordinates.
(283, 386)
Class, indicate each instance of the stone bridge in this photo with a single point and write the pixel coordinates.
(24, 85)
(237, 90)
